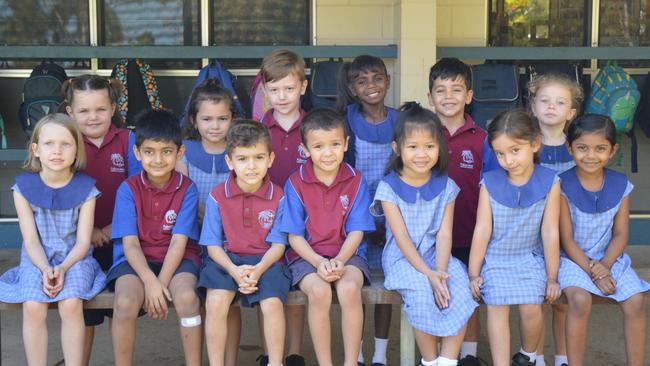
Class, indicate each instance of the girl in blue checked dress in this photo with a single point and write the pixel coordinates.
(362, 87)
(515, 249)
(554, 102)
(594, 230)
(417, 200)
(55, 206)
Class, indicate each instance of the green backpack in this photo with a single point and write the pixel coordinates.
(3, 143)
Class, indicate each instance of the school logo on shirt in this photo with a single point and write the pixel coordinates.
(170, 220)
(265, 218)
(302, 155)
(467, 159)
(117, 162)
(345, 202)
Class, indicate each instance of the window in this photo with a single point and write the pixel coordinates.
(625, 23)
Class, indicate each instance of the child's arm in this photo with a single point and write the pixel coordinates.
(620, 234)
(173, 258)
(443, 252)
(482, 234)
(32, 243)
(275, 252)
(571, 248)
(181, 167)
(300, 245)
(238, 273)
(551, 240)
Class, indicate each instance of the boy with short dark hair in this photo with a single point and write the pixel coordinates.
(155, 257)
(326, 215)
(245, 263)
(450, 90)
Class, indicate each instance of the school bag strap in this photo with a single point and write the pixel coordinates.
(140, 91)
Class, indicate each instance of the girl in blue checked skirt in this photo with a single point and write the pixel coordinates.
(362, 87)
(594, 230)
(515, 249)
(417, 199)
(55, 206)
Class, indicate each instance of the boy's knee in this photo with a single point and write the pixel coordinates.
(348, 291)
(186, 301)
(217, 303)
(271, 305)
(126, 305)
(320, 294)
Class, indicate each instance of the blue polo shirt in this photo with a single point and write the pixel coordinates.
(251, 222)
(323, 214)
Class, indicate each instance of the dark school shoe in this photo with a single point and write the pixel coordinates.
(470, 360)
(294, 360)
(377, 364)
(360, 363)
(520, 359)
(263, 360)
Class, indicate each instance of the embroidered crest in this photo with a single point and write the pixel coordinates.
(467, 159)
(118, 162)
(265, 218)
(170, 220)
(345, 201)
(302, 155)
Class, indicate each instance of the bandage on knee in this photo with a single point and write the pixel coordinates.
(190, 322)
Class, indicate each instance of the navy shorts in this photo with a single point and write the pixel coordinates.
(275, 282)
(125, 268)
(462, 254)
(300, 268)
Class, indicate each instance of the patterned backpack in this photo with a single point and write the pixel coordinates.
(140, 89)
(260, 103)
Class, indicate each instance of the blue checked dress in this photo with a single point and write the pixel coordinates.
(422, 209)
(592, 216)
(56, 212)
(372, 150)
(556, 158)
(205, 170)
(514, 271)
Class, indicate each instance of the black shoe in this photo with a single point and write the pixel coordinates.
(360, 363)
(470, 360)
(294, 360)
(564, 364)
(377, 364)
(263, 359)
(519, 359)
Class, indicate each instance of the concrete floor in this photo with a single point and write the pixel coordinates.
(158, 342)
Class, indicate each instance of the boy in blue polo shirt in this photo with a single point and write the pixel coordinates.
(155, 257)
(245, 262)
(326, 214)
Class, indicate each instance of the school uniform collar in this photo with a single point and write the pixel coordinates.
(198, 157)
(510, 195)
(379, 133)
(265, 191)
(270, 121)
(110, 135)
(175, 182)
(69, 196)
(614, 186)
(469, 125)
(554, 154)
(306, 171)
(408, 193)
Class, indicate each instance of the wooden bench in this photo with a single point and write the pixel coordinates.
(373, 294)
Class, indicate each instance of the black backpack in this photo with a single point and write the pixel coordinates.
(41, 94)
(322, 83)
(642, 116)
(496, 88)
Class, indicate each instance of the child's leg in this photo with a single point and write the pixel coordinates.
(470, 342)
(295, 328)
(635, 329)
(187, 305)
(234, 333)
(499, 334)
(559, 328)
(72, 330)
(128, 300)
(35, 332)
(530, 326)
(383, 313)
(319, 297)
(89, 338)
(451, 345)
(576, 323)
(542, 336)
(217, 304)
(427, 345)
(348, 290)
(273, 318)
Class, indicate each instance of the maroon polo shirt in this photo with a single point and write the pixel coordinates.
(108, 165)
(289, 154)
(465, 163)
(247, 217)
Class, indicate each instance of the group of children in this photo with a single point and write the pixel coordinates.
(248, 210)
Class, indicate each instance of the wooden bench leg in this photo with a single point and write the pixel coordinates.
(406, 341)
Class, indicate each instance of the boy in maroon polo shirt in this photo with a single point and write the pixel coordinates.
(155, 257)
(326, 215)
(244, 263)
(469, 154)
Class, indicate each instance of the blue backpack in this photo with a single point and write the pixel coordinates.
(210, 71)
(615, 94)
(496, 88)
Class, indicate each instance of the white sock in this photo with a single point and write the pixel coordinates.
(540, 361)
(429, 363)
(360, 358)
(468, 348)
(560, 359)
(531, 356)
(444, 361)
(380, 351)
